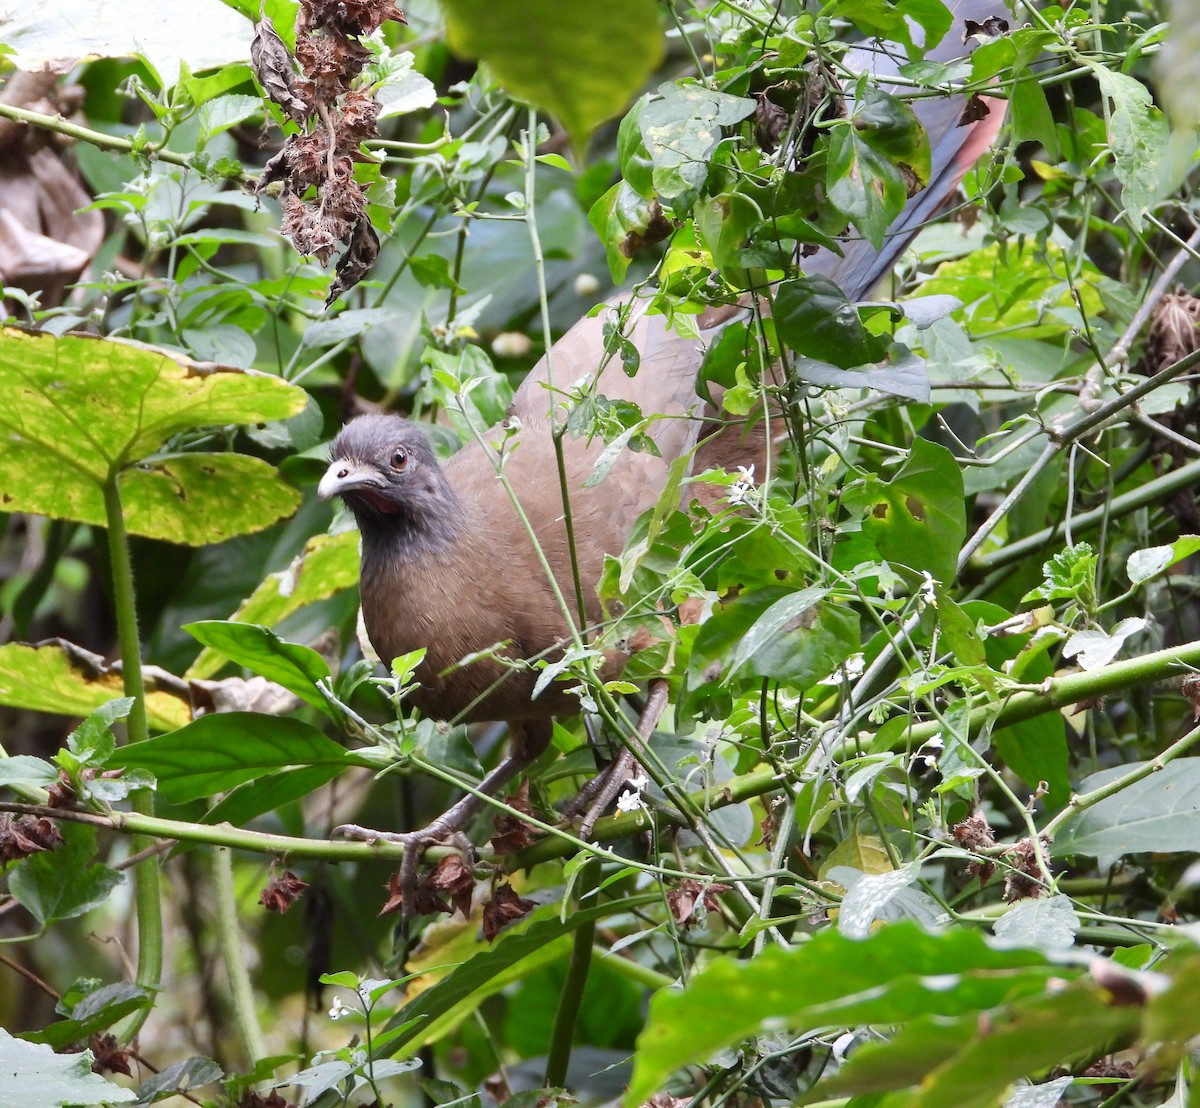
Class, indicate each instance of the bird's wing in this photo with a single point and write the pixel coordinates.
(665, 383)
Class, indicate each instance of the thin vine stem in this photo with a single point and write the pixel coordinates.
(146, 874)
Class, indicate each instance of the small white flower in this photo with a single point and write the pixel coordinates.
(629, 802)
(743, 490)
(850, 670)
(630, 799)
(586, 284)
(928, 592)
(339, 1009)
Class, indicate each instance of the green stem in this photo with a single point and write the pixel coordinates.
(570, 1000)
(229, 940)
(1153, 492)
(1072, 688)
(1052, 696)
(631, 970)
(146, 881)
(1082, 801)
(61, 126)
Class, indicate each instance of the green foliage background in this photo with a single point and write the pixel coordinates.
(924, 813)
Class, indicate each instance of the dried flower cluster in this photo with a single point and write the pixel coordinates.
(322, 203)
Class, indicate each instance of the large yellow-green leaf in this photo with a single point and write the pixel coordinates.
(57, 677)
(583, 63)
(326, 565)
(76, 410)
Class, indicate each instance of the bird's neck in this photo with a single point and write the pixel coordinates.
(407, 533)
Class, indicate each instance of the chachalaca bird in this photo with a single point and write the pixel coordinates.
(447, 563)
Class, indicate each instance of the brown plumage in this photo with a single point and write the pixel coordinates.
(446, 562)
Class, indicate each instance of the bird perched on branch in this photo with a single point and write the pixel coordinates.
(450, 564)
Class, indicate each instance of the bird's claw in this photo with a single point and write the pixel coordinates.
(415, 844)
(597, 794)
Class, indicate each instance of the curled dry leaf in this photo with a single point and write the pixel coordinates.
(975, 834)
(323, 205)
(1024, 879)
(683, 899)
(427, 901)
(109, 1056)
(273, 67)
(452, 876)
(281, 892)
(513, 834)
(26, 835)
(1191, 689)
(257, 1100)
(504, 907)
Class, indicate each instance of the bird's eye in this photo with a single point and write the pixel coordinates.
(399, 458)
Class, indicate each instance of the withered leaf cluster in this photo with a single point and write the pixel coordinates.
(281, 892)
(22, 836)
(322, 203)
(1022, 879)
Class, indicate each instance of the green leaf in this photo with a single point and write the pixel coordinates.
(203, 34)
(863, 184)
(203, 89)
(432, 271)
(94, 1012)
(890, 126)
(539, 938)
(1045, 923)
(796, 637)
(68, 681)
(681, 130)
(622, 218)
(1142, 565)
(918, 518)
(1036, 751)
(813, 317)
(60, 883)
(1137, 138)
(327, 565)
(890, 21)
(297, 668)
(75, 411)
(36, 1077)
(26, 771)
(180, 1077)
(269, 793)
(637, 168)
(968, 1062)
(218, 752)
(904, 375)
(220, 114)
(1159, 814)
(899, 973)
(92, 740)
(1069, 575)
(581, 62)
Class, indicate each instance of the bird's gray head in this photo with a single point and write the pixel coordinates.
(383, 467)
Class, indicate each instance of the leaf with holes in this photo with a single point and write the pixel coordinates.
(76, 412)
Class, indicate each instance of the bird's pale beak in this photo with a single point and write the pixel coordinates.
(342, 477)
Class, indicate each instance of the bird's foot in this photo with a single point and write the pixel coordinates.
(595, 797)
(412, 897)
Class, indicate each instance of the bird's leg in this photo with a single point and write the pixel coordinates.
(595, 797)
(529, 739)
